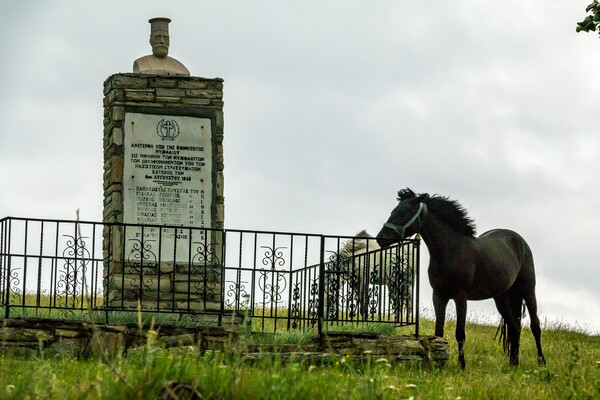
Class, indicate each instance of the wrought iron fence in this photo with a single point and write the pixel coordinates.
(277, 280)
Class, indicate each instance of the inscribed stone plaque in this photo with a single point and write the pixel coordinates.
(166, 181)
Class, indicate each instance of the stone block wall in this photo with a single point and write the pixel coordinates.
(31, 337)
(164, 288)
(164, 284)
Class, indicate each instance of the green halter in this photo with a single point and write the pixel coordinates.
(401, 229)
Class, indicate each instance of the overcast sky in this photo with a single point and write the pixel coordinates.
(331, 108)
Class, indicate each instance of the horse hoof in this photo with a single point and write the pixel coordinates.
(541, 361)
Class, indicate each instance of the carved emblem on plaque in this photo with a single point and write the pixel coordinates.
(167, 129)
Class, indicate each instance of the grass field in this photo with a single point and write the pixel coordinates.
(573, 372)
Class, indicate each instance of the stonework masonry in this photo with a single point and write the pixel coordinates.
(33, 337)
(144, 99)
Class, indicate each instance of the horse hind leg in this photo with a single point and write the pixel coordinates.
(517, 307)
(531, 303)
(503, 304)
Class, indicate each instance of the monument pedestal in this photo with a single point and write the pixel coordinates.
(163, 187)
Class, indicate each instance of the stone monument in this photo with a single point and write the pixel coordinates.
(163, 184)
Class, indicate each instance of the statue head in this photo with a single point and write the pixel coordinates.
(159, 62)
(159, 36)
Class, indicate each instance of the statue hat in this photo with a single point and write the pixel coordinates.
(159, 24)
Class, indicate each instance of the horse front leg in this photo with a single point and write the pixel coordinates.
(461, 319)
(439, 306)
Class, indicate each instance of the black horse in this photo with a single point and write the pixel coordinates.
(498, 264)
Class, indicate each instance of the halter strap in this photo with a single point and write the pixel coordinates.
(401, 229)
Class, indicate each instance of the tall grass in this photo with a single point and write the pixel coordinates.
(573, 372)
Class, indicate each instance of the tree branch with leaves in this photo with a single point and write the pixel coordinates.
(592, 21)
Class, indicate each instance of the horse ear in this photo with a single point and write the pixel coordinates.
(405, 194)
(423, 197)
(363, 233)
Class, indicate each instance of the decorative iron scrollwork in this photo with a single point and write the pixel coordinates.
(394, 282)
(205, 254)
(206, 271)
(236, 295)
(71, 278)
(13, 283)
(372, 298)
(272, 282)
(272, 288)
(142, 252)
(333, 279)
(313, 302)
(142, 264)
(399, 282)
(336, 277)
(295, 310)
(273, 257)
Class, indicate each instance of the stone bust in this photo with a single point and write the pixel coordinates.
(159, 62)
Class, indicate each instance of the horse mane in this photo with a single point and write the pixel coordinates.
(447, 210)
(452, 213)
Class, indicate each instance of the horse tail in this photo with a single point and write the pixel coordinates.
(502, 330)
(517, 301)
(519, 309)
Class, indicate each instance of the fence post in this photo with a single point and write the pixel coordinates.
(417, 283)
(6, 255)
(321, 307)
(223, 272)
(110, 258)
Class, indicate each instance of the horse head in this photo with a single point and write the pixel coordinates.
(401, 224)
(363, 242)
